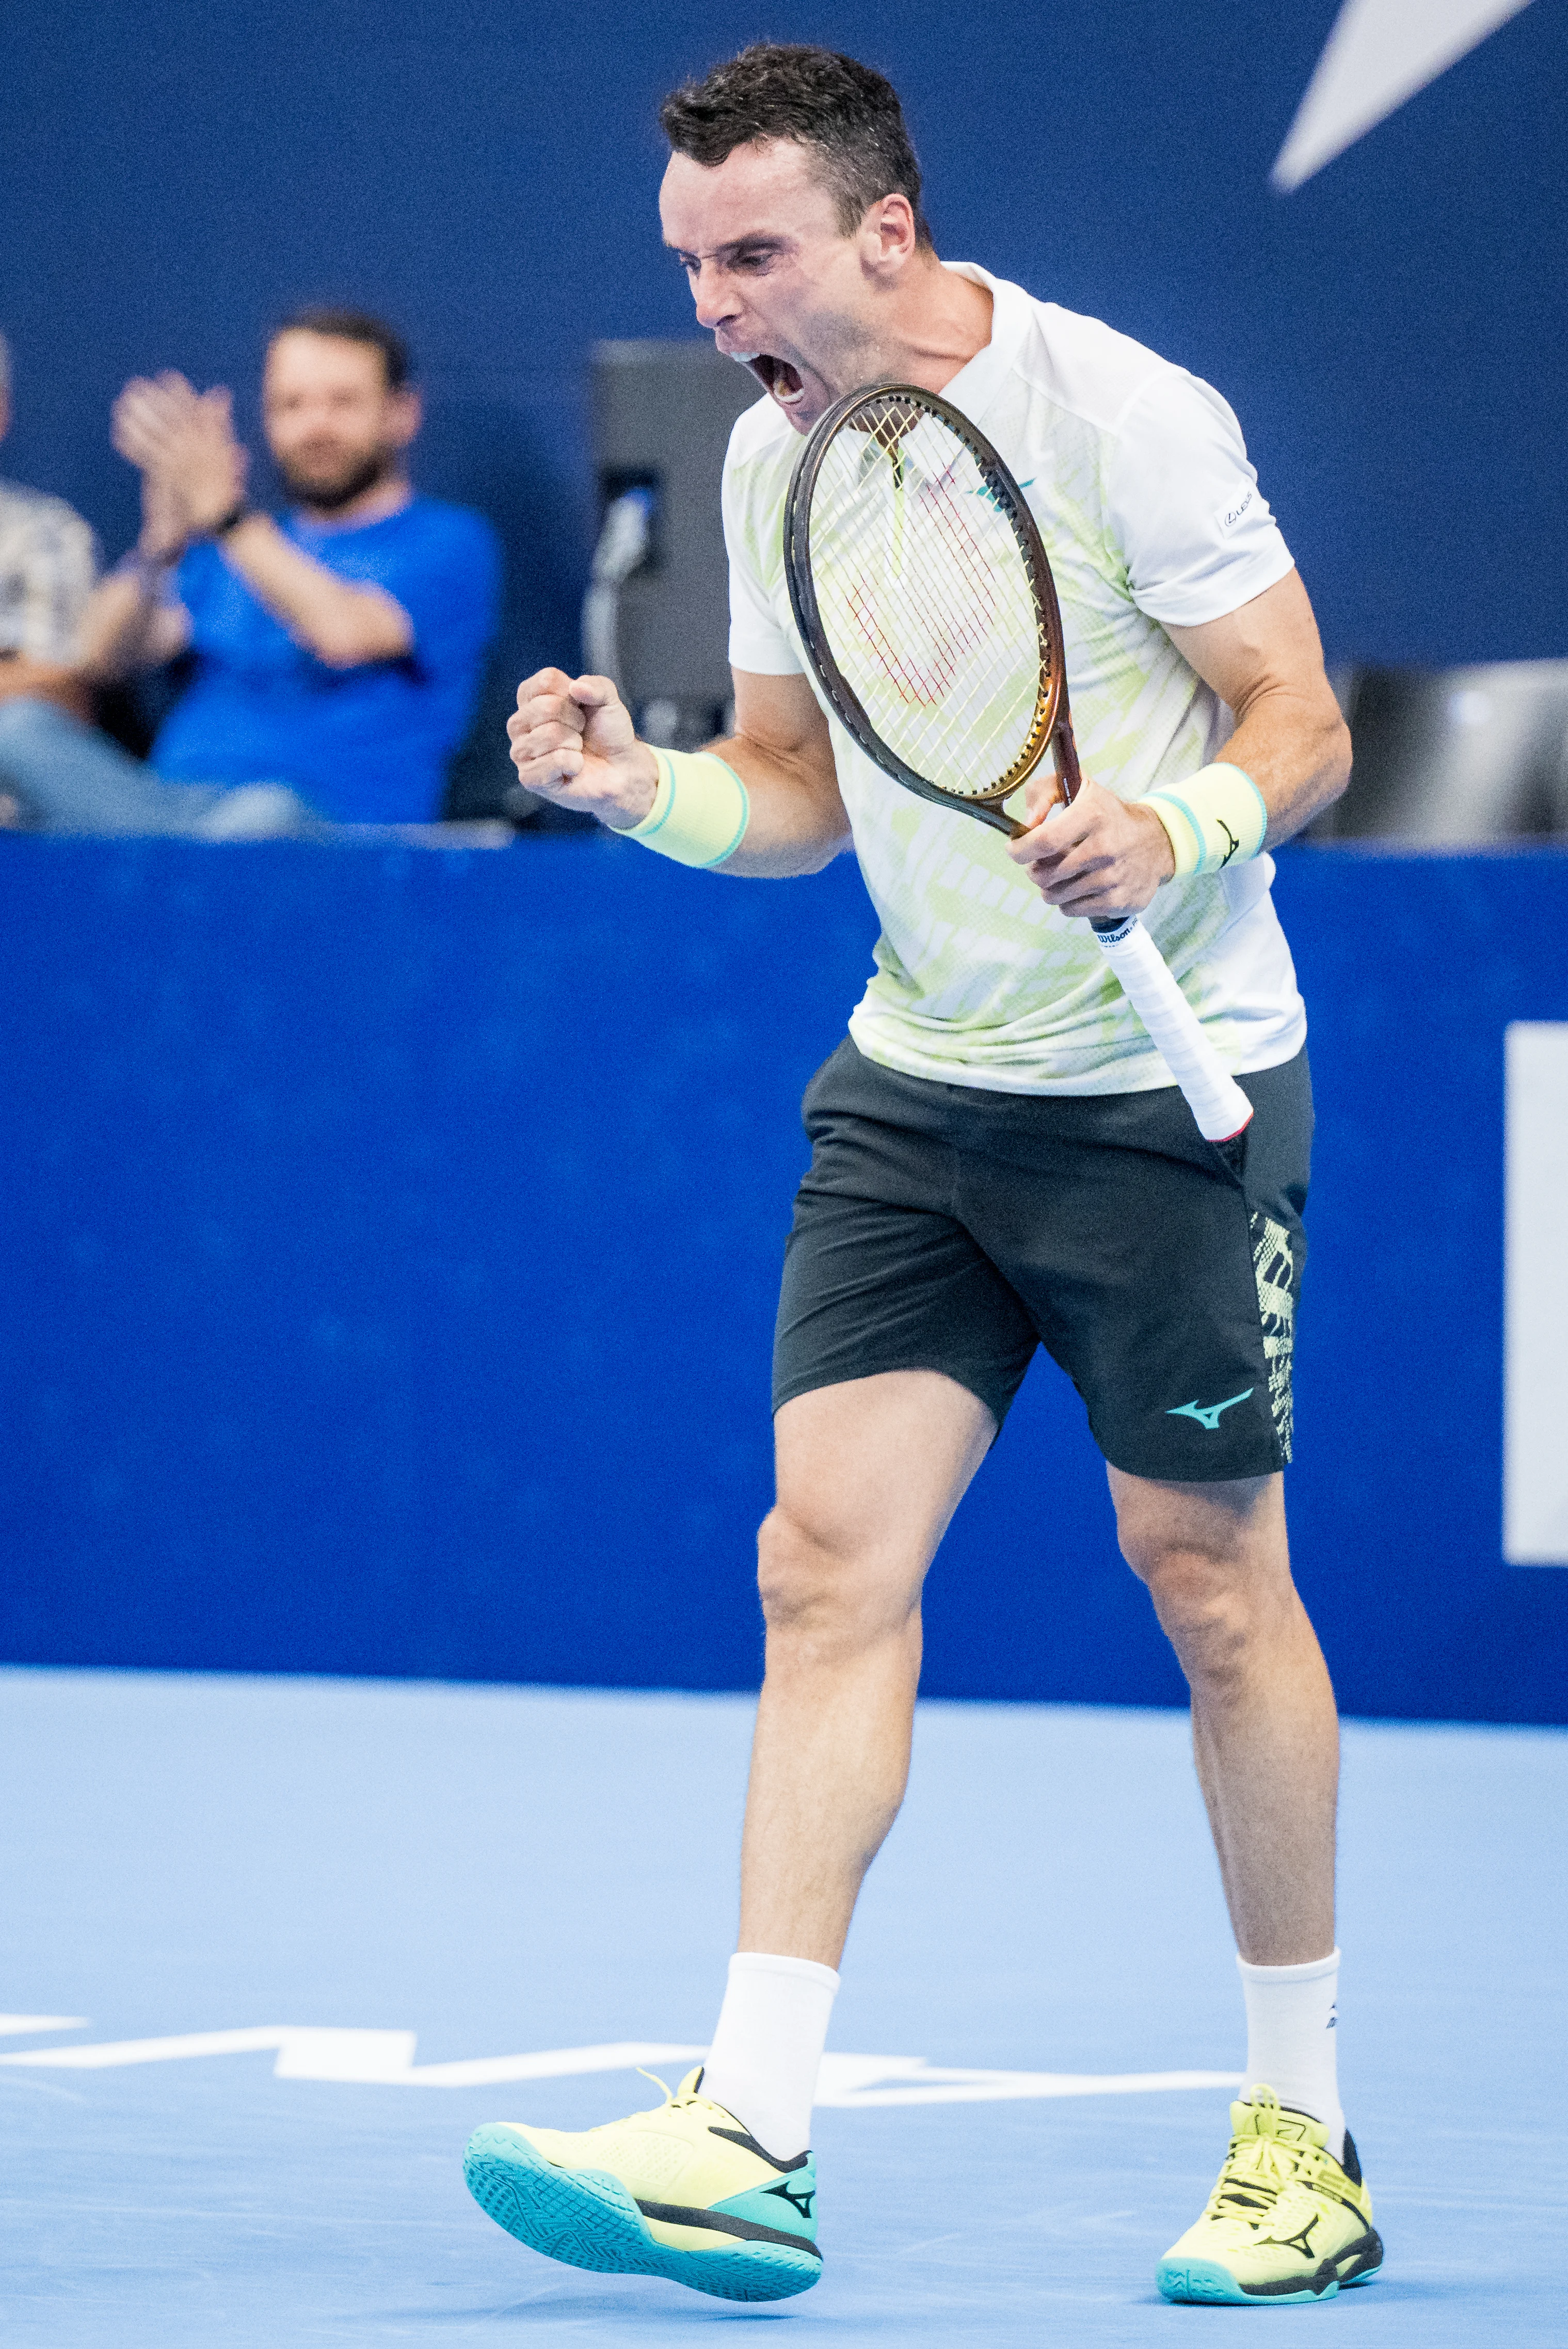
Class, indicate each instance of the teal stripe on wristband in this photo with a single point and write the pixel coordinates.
(700, 811)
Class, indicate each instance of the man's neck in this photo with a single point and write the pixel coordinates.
(388, 496)
(941, 321)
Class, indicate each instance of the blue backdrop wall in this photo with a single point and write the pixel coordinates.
(1392, 336)
(392, 1236)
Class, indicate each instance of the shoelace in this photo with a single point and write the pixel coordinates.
(671, 2096)
(1257, 2171)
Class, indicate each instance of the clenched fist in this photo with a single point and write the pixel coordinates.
(572, 741)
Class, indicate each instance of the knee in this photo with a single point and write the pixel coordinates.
(1214, 1603)
(26, 723)
(818, 1593)
(800, 1579)
(1209, 1619)
(32, 736)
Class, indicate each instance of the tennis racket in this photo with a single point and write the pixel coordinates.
(925, 603)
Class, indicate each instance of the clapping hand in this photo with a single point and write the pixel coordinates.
(192, 468)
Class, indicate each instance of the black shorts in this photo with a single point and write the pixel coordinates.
(941, 1227)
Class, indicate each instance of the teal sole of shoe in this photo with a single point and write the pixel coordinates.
(1206, 2281)
(586, 2218)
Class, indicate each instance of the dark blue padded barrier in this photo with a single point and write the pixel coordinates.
(391, 1246)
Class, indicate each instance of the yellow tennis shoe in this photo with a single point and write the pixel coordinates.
(1286, 2222)
(683, 2191)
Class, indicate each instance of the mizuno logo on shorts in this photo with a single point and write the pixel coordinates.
(1207, 1414)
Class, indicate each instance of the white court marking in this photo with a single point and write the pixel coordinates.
(386, 2059)
(1535, 1353)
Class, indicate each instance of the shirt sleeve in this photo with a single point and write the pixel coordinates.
(759, 642)
(1195, 530)
(452, 592)
(189, 587)
(59, 566)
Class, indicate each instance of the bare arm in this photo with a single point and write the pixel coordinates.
(24, 678)
(1265, 662)
(127, 625)
(345, 625)
(1106, 856)
(130, 621)
(572, 742)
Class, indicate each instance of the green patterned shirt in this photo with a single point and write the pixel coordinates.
(1150, 512)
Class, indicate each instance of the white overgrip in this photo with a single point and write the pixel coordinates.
(1219, 1106)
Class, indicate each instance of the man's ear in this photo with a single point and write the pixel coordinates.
(407, 414)
(888, 238)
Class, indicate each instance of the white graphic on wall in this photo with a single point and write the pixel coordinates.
(1535, 1351)
(385, 2059)
(1380, 53)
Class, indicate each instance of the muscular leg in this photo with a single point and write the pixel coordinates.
(1264, 1731)
(869, 1471)
(1267, 1741)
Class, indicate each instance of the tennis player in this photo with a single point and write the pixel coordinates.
(1000, 1161)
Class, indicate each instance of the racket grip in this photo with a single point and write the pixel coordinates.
(1213, 1095)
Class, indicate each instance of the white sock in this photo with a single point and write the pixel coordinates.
(1291, 2038)
(763, 2063)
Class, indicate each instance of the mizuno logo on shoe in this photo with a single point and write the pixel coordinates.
(801, 2202)
(1207, 1414)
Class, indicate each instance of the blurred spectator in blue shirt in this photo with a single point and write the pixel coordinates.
(335, 656)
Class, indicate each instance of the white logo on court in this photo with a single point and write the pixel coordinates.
(1380, 53)
(385, 2059)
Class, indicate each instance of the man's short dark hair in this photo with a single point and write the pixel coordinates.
(847, 113)
(354, 327)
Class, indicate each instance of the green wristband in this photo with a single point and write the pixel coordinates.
(1214, 819)
(700, 809)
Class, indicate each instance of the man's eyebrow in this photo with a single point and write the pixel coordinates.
(763, 240)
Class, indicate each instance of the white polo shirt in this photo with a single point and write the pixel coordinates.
(1138, 479)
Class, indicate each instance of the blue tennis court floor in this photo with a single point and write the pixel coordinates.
(278, 1945)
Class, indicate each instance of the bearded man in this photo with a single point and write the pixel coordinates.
(335, 653)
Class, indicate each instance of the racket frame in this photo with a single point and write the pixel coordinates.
(1219, 1108)
(1052, 730)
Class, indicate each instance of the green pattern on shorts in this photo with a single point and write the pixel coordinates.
(1274, 1267)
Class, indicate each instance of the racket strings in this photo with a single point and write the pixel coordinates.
(951, 632)
(923, 657)
(926, 598)
(949, 626)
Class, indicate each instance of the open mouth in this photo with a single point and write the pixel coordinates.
(776, 377)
